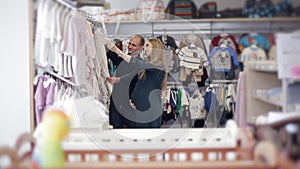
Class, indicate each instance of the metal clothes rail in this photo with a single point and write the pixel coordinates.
(81, 3)
(48, 70)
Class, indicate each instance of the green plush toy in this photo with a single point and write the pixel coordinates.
(55, 129)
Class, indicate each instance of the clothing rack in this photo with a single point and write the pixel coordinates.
(205, 30)
(222, 110)
(187, 114)
(174, 84)
(225, 81)
(67, 3)
(91, 19)
(49, 70)
(76, 4)
(81, 3)
(207, 27)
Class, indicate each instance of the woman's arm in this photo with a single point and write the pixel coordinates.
(121, 54)
(111, 46)
(137, 63)
(113, 80)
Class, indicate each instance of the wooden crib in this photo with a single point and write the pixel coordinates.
(164, 149)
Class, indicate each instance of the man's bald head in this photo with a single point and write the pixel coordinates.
(135, 45)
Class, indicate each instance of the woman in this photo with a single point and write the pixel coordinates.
(146, 95)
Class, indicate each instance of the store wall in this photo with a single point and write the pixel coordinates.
(14, 70)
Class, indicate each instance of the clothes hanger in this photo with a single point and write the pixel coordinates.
(49, 80)
(254, 44)
(223, 34)
(253, 33)
(223, 45)
(36, 79)
(192, 46)
(192, 39)
(165, 37)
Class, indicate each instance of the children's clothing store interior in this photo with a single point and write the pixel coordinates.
(227, 95)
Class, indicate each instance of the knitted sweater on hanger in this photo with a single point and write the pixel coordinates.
(192, 57)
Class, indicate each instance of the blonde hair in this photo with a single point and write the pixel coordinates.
(157, 59)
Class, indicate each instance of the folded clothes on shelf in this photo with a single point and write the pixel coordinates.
(274, 93)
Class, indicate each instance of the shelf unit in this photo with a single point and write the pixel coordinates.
(291, 93)
(260, 77)
(208, 27)
(275, 103)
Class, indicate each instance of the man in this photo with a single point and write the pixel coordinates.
(122, 88)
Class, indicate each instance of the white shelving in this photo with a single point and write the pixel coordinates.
(209, 27)
(260, 78)
(267, 100)
(291, 93)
